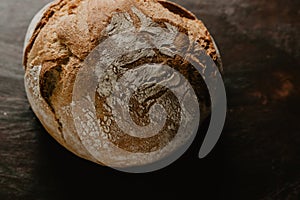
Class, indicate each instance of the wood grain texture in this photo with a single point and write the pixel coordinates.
(256, 158)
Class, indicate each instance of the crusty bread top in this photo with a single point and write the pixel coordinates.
(68, 31)
(75, 26)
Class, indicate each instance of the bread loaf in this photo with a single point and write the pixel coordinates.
(68, 41)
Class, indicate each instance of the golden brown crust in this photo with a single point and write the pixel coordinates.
(68, 31)
(78, 24)
(46, 17)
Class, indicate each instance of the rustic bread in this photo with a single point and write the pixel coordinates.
(63, 37)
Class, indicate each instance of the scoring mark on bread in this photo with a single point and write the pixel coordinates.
(49, 82)
(178, 10)
(33, 82)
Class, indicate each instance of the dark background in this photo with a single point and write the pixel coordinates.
(257, 157)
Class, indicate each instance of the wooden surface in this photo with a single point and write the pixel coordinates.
(258, 156)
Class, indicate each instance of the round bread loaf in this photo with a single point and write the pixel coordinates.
(64, 38)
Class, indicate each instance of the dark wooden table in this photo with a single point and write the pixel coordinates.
(257, 157)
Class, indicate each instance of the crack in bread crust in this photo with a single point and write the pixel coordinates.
(176, 9)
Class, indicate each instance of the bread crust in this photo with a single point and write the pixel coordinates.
(67, 32)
